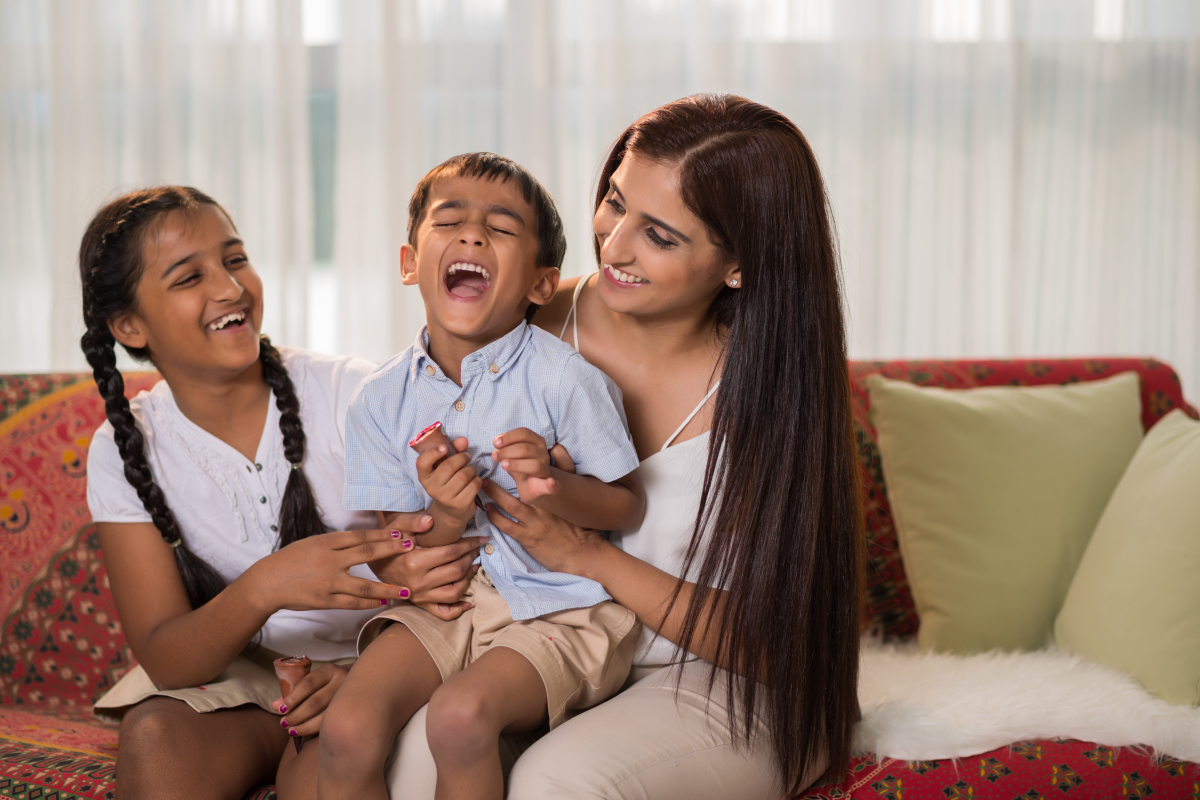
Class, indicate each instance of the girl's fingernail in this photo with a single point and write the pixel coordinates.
(283, 709)
(283, 723)
(383, 602)
(408, 544)
(426, 520)
(292, 732)
(441, 448)
(395, 534)
(404, 594)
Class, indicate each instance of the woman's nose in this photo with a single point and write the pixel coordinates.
(613, 245)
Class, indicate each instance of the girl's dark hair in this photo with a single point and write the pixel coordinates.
(781, 488)
(110, 266)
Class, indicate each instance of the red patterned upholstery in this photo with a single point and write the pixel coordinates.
(61, 644)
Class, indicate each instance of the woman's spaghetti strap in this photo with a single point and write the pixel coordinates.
(573, 320)
(695, 411)
(572, 316)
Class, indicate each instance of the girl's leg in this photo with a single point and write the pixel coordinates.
(169, 750)
(394, 677)
(502, 692)
(644, 743)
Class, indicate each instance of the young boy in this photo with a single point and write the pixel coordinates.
(485, 248)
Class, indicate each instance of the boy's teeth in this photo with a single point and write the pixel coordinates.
(469, 268)
(623, 277)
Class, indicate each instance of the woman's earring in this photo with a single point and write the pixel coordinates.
(733, 282)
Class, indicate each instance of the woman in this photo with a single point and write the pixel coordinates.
(717, 310)
(206, 515)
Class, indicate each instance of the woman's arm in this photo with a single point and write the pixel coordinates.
(643, 588)
(179, 646)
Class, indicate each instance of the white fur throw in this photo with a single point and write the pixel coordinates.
(922, 706)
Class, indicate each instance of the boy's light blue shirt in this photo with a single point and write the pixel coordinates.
(526, 379)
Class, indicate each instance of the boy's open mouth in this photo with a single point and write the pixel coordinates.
(467, 281)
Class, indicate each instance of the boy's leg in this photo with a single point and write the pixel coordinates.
(501, 692)
(394, 677)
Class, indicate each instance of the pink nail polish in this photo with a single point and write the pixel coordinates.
(292, 732)
(383, 602)
(404, 594)
(283, 723)
(395, 534)
(408, 544)
(283, 709)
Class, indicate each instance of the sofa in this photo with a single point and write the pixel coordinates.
(61, 644)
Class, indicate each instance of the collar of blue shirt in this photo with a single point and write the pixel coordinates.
(500, 354)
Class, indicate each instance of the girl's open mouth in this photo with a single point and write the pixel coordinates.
(467, 281)
(230, 322)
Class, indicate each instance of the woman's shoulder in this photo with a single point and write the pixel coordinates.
(552, 316)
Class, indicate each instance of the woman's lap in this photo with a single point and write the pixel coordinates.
(643, 743)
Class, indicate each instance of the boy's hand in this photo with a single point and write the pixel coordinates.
(450, 480)
(523, 454)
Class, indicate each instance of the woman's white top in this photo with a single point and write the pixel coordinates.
(672, 479)
(228, 506)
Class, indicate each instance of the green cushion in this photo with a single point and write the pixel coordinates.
(995, 493)
(1135, 600)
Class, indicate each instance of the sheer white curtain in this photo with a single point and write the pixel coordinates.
(1009, 177)
(101, 96)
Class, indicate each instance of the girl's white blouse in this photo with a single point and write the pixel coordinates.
(227, 506)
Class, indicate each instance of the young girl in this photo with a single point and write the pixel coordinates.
(209, 493)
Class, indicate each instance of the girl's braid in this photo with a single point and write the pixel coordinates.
(299, 515)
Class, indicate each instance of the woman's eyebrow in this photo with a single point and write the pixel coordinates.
(652, 220)
(666, 227)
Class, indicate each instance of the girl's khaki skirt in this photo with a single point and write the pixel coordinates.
(249, 681)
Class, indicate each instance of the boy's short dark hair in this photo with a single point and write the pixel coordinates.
(552, 242)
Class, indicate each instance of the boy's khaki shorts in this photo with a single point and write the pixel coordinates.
(582, 654)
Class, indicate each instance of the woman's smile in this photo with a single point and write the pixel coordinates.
(622, 279)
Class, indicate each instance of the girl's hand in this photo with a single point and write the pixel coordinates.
(552, 541)
(436, 576)
(303, 707)
(314, 573)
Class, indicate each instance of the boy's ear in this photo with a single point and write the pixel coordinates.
(127, 329)
(408, 265)
(545, 286)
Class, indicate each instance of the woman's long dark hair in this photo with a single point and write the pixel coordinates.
(110, 266)
(781, 488)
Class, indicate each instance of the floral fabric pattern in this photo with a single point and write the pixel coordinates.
(61, 644)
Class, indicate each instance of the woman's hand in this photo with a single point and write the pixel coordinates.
(304, 706)
(435, 576)
(314, 573)
(555, 543)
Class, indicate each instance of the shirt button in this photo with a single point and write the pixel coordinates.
(494, 369)
(489, 549)
(460, 405)
(258, 467)
(262, 499)
(275, 528)
(429, 370)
